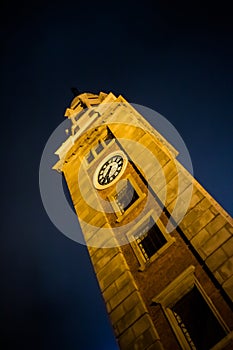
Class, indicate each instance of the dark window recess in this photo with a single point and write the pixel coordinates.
(150, 239)
(109, 136)
(78, 116)
(107, 141)
(126, 196)
(197, 322)
(99, 148)
(77, 128)
(90, 157)
(92, 112)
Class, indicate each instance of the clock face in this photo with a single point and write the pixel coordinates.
(110, 170)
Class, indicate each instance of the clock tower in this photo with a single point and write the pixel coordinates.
(160, 245)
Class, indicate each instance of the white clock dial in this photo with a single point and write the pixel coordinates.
(110, 170)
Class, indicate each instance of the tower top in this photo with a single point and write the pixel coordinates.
(83, 100)
(88, 109)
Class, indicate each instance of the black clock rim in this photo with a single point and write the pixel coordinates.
(107, 162)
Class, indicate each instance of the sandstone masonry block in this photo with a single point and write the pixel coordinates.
(129, 318)
(218, 277)
(215, 241)
(195, 213)
(109, 292)
(162, 158)
(226, 270)
(117, 314)
(121, 295)
(157, 181)
(172, 192)
(146, 141)
(229, 227)
(126, 339)
(101, 252)
(216, 259)
(101, 238)
(181, 202)
(132, 301)
(89, 231)
(197, 196)
(228, 286)
(102, 262)
(199, 224)
(112, 271)
(124, 279)
(170, 170)
(228, 247)
(200, 238)
(147, 340)
(142, 325)
(156, 346)
(215, 225)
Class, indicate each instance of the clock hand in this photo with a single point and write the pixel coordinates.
(108, 172)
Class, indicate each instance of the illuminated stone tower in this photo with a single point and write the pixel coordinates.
(164, 270)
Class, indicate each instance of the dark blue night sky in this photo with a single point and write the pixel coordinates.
(172, 57)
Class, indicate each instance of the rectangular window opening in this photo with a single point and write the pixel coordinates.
(197, 322)
(92, 112)
(99, 148)
(90, 157)
(150, 239)
(126, 196)
(109, 137)
(77, 128)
